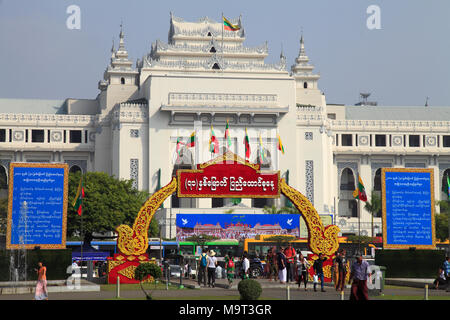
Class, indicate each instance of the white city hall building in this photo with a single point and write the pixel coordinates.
(202, 77)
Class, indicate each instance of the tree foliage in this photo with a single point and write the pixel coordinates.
(441, 220)
(282, 210)
(374, 205)
(143, 271)
(108, 202)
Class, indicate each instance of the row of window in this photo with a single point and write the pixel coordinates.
(38, 136)
(383, 140)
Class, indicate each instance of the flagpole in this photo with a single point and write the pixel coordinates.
(223, 29)
(359, 221)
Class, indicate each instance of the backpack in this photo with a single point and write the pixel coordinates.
(230, 263)
(203, 261)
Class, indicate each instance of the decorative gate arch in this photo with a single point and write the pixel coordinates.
(133, 242)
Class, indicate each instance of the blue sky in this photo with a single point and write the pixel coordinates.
(405, 61)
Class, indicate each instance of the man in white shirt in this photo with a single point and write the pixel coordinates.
(211, 266)
(245, 266)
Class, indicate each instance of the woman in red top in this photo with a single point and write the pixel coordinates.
(41, 285)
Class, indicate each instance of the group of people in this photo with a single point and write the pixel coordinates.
(289, 266)
(208, 264)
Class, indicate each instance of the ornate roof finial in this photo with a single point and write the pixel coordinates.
(121, 30)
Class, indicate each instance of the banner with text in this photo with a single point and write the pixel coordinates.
(37, 210)
(408, 208)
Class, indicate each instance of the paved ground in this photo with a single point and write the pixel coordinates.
(271, 290)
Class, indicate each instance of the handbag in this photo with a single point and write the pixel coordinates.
(315, 278)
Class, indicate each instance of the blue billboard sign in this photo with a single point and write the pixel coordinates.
(236, 226)
(408, 208)
(37, 211)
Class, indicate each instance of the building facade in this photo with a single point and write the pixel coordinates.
(202, 77)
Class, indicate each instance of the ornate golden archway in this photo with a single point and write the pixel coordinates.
(133, 242)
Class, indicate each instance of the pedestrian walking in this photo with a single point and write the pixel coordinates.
(341, 270)
(229, 263)
(302, 270)
(41, 292)
(318, 270)
(281, 260)
(211, 267)
(289, 252)
(203, 262)
(359, 273)
(272, 264)
(245, 266)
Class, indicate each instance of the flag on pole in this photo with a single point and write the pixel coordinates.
(179, 144)
(261, 149)
(191, 142)
(280, 145)
(78, 201)
(360, 192)
(227, 135)
(448, 187)
(247, 145)
(227, 25)
(213, 142)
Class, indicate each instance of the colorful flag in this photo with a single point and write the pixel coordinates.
(261, 149)
(448, 187)
(227, 135)
(78, 201)
(227, 25)
(280, 145)
(191, 142)
(213, 142)
(360, 192)
(247, 145)
(179, 144)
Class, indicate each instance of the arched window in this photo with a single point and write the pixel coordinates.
(209, 34)
(347, 206)
(122, 80)
(212, 49)
(377, 180)
(305, 85)
(216, 66)
(266, 163)
(75, 169)
(3, 178)
(183, 160)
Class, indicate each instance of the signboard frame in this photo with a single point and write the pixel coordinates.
(432, 202)
(14, 165)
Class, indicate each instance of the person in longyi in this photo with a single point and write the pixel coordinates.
(41, 292)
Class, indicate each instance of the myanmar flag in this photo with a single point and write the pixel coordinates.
(280, 145)
(247, 145)
(261, 149)
(227, 135)
(213, 142)
(77, 202)
(448, 187)
(191, 142)
(227, 25)
(360, 192)
(179, 144)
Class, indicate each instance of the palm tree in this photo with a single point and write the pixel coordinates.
(374, 205)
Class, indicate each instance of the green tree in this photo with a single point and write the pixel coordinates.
(143, 271)
(374, 205)
(441, 220)
(108, 202)
(275, 210)
(3, 215)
